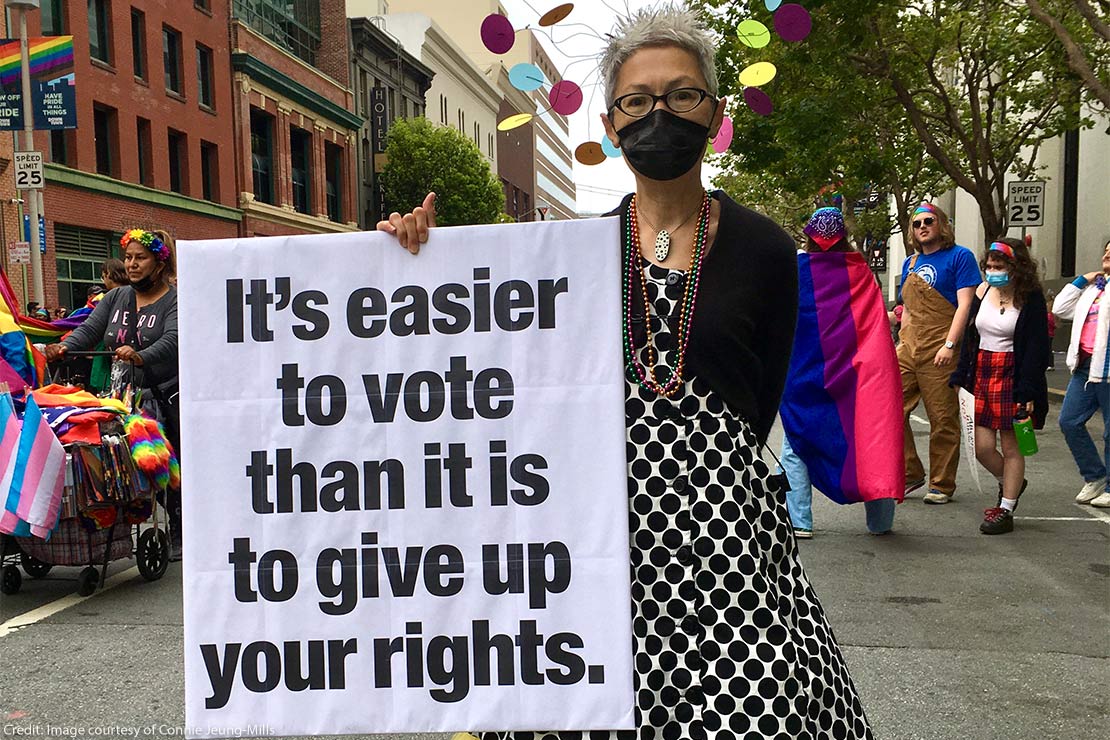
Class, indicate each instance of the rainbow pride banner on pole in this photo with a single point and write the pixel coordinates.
(53, 91)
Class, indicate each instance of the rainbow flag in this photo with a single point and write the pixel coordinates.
(48, 54)
(20, 364)
(842, 406)
(34, 499)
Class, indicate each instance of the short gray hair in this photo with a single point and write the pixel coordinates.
(666, 25)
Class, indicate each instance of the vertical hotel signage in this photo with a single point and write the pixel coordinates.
(379, 128)
(53, 94)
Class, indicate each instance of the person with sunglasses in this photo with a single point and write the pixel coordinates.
(1083, 301)
(1002, 363)
(729, 637)
(937, 290)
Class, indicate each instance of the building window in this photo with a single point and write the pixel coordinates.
(53, 18)
(144, 149)
(333, 180)
(204, 76)
(300, 163)
(262, 155)
(462, 121)
(179, 167)
(100, 41)
(291, 24)
(489, 145)
(60, 147)
(80, 253)
(203, 4)
(209, 171)
(477, 134)
(138, 43)
(104, 135)
(443, 109)
(171, 59)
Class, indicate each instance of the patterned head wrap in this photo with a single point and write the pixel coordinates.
(1002, 247)
(925, 208)
(149, 240)
(826, 227)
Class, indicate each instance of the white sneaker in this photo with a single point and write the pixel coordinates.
(1102, 501)
(1091, 491)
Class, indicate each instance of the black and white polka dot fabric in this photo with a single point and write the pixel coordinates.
(730, 640)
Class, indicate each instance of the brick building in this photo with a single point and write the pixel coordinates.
(295, 135)
(153, 146)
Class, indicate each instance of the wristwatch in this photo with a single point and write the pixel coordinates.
(949, 344)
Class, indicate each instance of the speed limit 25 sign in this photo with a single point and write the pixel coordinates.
(28, 171)
(1025, 203)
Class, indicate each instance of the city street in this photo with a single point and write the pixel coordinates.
(949, 633)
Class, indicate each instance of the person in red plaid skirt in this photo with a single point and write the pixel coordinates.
(1003, 363)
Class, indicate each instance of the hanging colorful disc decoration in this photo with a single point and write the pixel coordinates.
(753, 33)
(772, 5)
(526, 77)
(758, 74)
(723, 139)
(758, 101)
(514, 121)
(589, 153)
(556, 14)
(608, 148)
(566, 98)
(793, 22)
(497, 33)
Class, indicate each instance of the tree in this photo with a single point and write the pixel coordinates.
(976, 84)
(424, 157)
(1084, 33)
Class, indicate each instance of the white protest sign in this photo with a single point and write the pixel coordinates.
(405, 482)
(967, 422)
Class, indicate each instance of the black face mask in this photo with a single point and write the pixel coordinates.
(143, 284)
(663, 146)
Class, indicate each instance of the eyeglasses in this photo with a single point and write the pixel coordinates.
(680, 100)
(927, 221)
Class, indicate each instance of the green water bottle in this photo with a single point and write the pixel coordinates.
(1023, 430)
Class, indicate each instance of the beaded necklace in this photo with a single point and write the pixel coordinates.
(646, 376)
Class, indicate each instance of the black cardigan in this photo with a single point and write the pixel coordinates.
(1031, 355)
(747, 306)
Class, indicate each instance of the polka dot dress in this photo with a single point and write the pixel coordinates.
(730, 640)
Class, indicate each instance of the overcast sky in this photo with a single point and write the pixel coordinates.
(599, 187)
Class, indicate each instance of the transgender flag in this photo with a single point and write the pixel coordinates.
(842, 405)
(37, 474)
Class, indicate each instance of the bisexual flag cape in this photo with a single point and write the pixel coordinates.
(842, 405)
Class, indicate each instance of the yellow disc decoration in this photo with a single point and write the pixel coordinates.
(758, 74)
(514, 121)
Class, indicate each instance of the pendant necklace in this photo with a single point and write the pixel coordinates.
(1002, 305)
(663, 236)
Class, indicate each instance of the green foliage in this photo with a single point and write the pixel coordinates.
(424, 157)
(904, 97)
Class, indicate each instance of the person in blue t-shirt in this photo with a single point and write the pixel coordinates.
(938, 286)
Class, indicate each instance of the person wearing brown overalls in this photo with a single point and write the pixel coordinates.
(938, 286)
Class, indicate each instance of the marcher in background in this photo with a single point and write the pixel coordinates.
(1083, 301)
(842, 385)
(139, 323)
(718, 591)
(1003, 364)
(938, 285)
(1049, 298)
(113, 274)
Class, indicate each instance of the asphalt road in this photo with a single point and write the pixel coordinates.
(949, 633)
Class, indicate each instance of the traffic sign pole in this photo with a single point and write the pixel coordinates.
(30, 196)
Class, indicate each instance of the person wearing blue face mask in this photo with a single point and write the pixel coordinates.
(1003, 364)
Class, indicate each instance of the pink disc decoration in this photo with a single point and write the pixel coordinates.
(792, 22)
(758, 101)
(497, 33)
(723, 139)
(565, 97)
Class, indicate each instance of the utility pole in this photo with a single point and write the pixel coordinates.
(31, 198)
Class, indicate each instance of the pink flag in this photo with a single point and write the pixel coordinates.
(38, 477)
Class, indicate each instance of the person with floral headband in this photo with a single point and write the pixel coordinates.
(1002, 363)
(138, 322)
(938, 285)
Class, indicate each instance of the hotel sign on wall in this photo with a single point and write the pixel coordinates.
(53, 93)
(379, 129)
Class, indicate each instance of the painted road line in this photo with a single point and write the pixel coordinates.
(49, 610)
(1062, 519)
(919, 420)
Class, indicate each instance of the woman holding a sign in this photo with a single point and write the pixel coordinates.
(1003, 363)
(729, 636)
(138, 321)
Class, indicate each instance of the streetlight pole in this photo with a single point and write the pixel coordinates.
(31, 198)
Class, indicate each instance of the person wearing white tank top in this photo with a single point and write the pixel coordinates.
(1003, 363)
